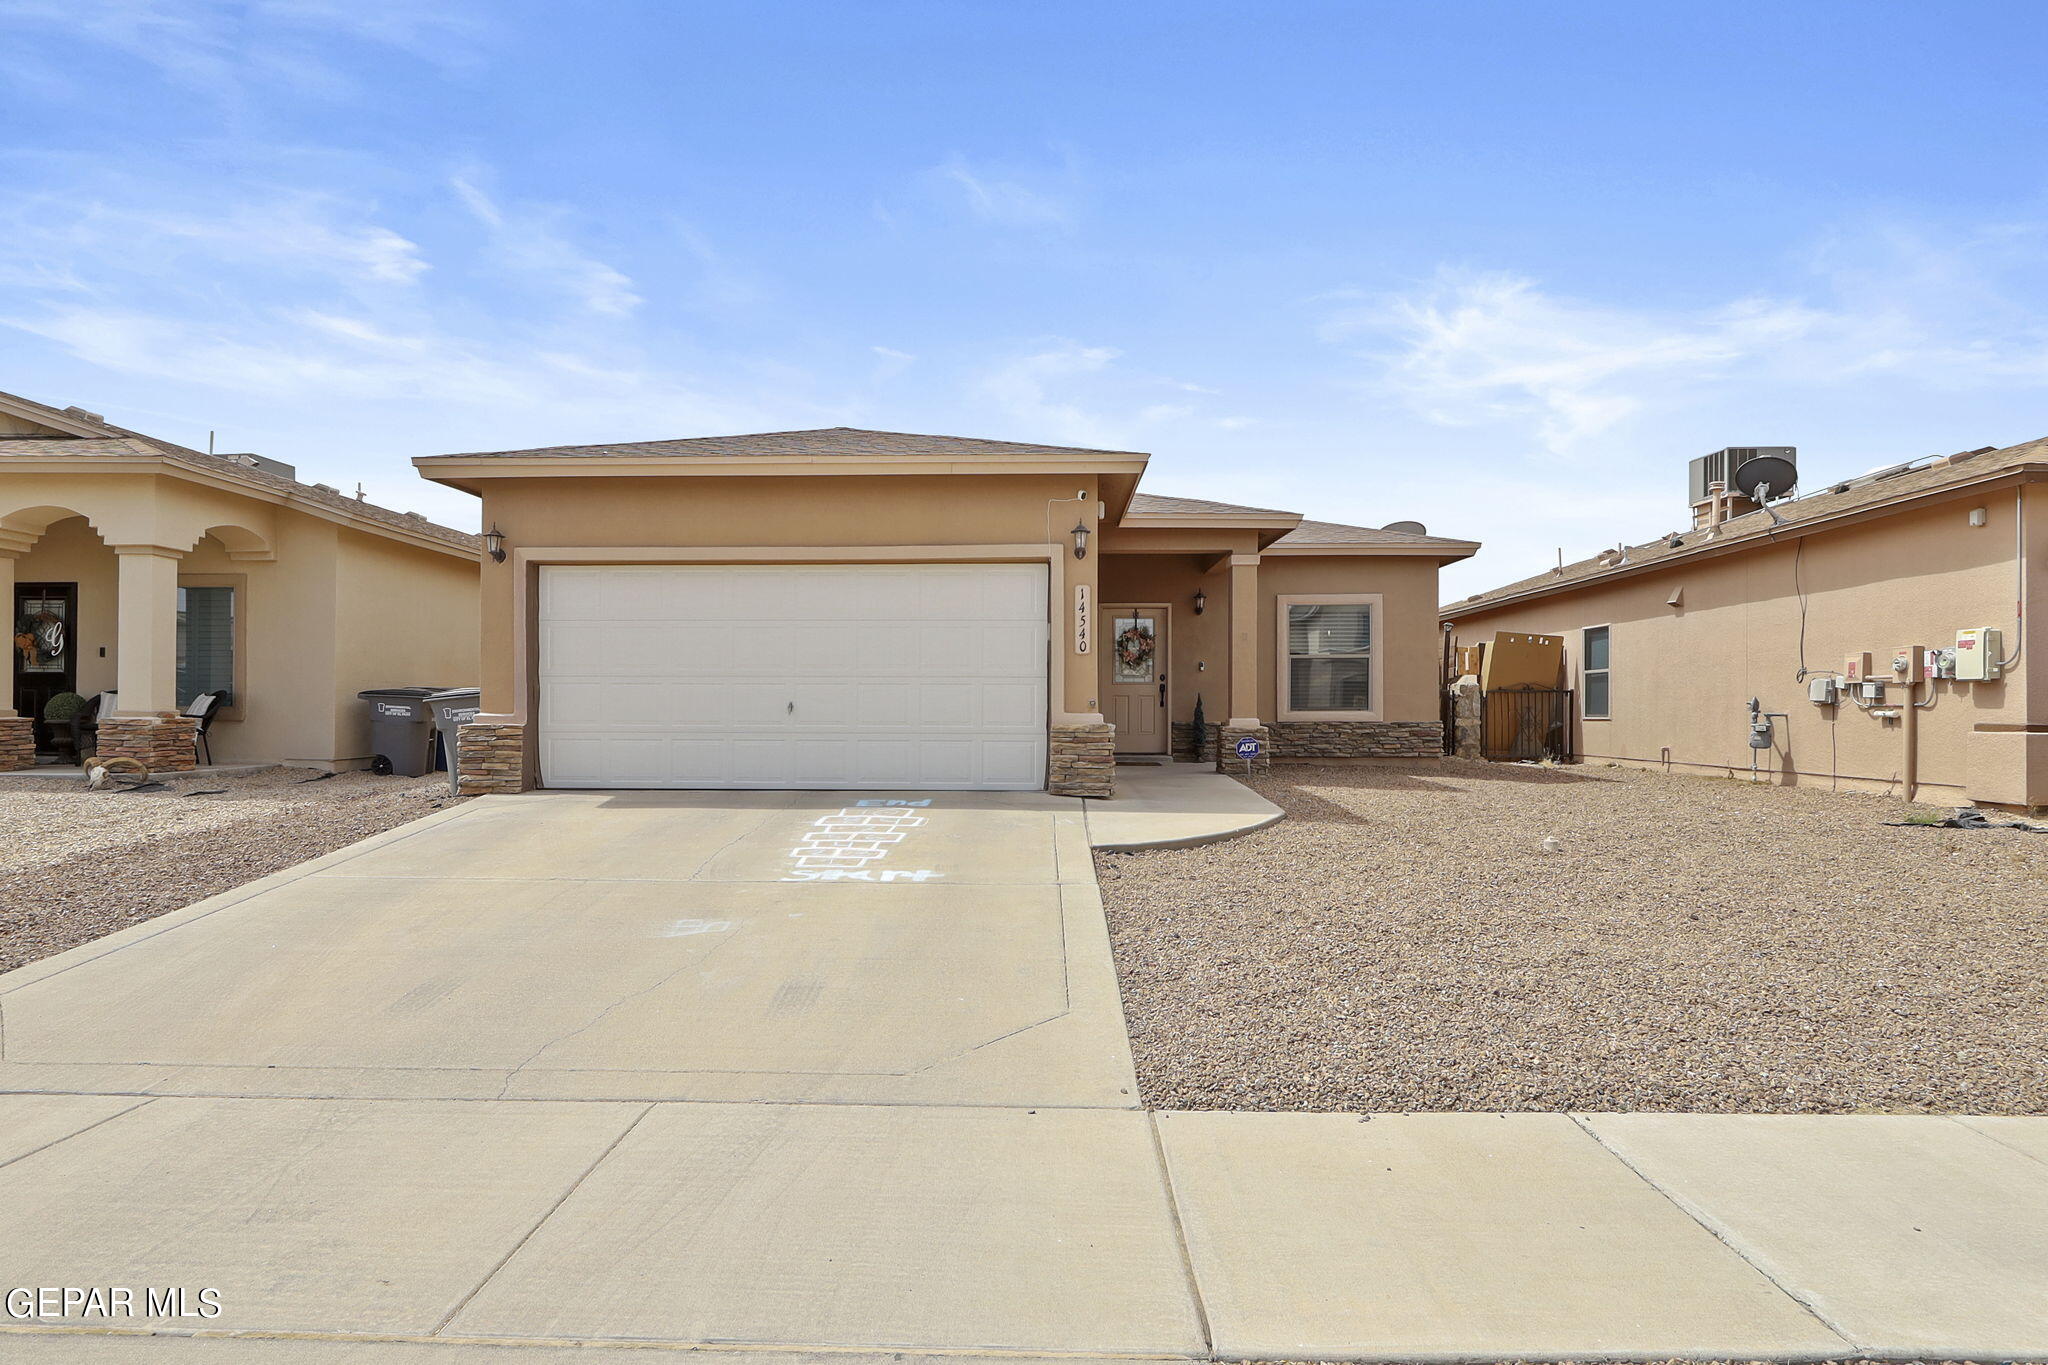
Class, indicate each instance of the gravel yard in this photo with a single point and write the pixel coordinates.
(79, 865)
(1404, 942)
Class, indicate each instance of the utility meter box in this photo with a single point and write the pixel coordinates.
(1822, 692)
(1856, 667)
(1873, 690)
(1977, 654)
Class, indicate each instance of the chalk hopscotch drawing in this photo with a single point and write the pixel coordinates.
(844, 845)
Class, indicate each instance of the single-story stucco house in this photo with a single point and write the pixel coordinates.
(139, 567)
(1879, 625)
(866, 609)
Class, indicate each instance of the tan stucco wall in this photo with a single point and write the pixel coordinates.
(1683, 675)
(1198, 651)
(301, 612)
(1197, 647)
(402, 617)
(1409, 645)
(684, 513)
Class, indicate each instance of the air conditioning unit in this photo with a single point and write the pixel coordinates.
(1720, 467)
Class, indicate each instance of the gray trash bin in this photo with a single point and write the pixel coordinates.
(401, 729)
(453, 709)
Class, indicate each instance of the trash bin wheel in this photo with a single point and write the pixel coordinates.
(381, 766)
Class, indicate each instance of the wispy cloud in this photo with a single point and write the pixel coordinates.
(527, 242)
(1003, 198)
(1888, 305)
(1483, 347)
(1063, 390)
(223, 48)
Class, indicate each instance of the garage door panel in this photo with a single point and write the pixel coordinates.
(572, 704)
(943, 706)
(748, 703)
(1011, 705)
(1011, 762)
(763, 649)
(572, 594)
(888, 705)
(757, 596)
(887, 649)
(1011, 597)
(816, 675)
(638, 595)
(887, 762)
(950, 594)
(1013, 651)
(946, 763)
(760, 762)
(821, 704)
(701, 760)
(575, 647)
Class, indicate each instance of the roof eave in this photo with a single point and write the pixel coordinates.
(278, 497)
(1444, 552)
(448, 468)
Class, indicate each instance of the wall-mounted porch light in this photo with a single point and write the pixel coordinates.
(494, 543)
(1201, 601)
(1080, 534)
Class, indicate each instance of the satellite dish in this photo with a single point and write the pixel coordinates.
(1413, 528)
(1771, 473)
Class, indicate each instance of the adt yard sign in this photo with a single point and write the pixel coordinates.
(1248, 748)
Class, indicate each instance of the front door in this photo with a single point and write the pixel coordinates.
(1137, 679)
(43, 649)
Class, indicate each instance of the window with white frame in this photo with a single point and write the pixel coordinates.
(1327, 665)
(1593, 672)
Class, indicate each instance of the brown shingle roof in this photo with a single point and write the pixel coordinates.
(1152, 505)
(825, 441)
(1332, 533)
(1834, 500)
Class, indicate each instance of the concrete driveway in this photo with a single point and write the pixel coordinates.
(840, 1078)
(774, 945)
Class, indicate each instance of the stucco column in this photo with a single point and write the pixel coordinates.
(17, 732)
(7, 561)
(1244, 642)
(146, 631)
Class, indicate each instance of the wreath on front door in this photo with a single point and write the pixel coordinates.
(1134, 645)
(39, 638)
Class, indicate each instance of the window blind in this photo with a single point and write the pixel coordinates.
(206, 641)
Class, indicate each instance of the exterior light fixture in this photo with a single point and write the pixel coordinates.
(494, 543)
(1080, 534)
(1201, 601)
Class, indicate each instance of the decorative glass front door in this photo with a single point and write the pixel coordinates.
(43, 648)
(1136, 703)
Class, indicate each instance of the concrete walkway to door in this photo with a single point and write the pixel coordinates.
(816, 1075)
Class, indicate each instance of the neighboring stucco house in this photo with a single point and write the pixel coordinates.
(866, 609)
(1666, 643)
(159, 573)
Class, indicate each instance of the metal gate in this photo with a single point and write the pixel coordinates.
(1526, 723)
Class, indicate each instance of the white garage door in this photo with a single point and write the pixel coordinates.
(829, 676)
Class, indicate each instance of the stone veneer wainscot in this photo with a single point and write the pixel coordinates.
(1081, 760)
(161, 743)
(490, 758)
(1325, 739)
(17, 743)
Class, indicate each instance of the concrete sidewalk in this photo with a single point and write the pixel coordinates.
(547, 1078)
(1175, 805)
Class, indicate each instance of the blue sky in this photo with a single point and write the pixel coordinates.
(1500, 267)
